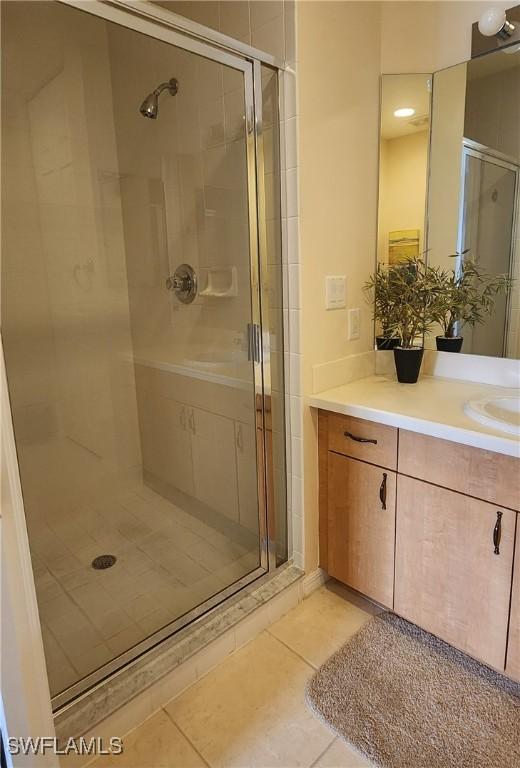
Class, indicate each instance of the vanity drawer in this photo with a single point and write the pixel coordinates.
(486, 475)
(361, 439)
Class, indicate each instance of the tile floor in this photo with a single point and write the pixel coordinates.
(249, 711)
(89, 617)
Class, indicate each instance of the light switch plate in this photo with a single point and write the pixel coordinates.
(353, 324)
(335, 291)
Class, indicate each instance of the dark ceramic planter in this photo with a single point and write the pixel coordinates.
(447, 344)
(383, 342)
(408, 364)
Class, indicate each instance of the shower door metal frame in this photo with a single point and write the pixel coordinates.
(136, 16)
(472, 148)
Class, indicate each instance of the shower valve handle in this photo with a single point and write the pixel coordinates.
(183, 283)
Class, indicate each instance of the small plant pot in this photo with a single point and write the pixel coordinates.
(384, 342)
(449, 343)
(408, 363)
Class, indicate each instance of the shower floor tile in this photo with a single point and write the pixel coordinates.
(168, 562)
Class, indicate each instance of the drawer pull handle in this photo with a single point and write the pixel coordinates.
(497, 532)
(382, 491)
(359, 439)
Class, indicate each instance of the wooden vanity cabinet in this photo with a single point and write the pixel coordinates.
(361, 526)
(513, 646)
(357, 503)
(430, 555)
(448, 578)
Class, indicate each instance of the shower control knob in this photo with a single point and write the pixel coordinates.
(183, 283)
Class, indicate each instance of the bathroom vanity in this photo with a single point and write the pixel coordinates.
(419, 512)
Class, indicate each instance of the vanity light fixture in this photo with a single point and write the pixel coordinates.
(404, 112)
(493, 22)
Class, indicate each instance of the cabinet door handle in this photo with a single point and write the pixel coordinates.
(359, 439)
(382, 491)
(192, 422)
(497, 532)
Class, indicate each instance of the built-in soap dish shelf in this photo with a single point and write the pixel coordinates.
(221, 283)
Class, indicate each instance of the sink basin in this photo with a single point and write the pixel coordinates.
(501, 413)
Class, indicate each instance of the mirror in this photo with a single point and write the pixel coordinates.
(403, 163)
(473, 198)
(449, 183)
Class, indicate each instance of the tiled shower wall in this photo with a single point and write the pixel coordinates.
(41, 411)
(65, 313)
(271, 27)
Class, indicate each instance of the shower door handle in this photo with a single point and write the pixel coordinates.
(253, 342)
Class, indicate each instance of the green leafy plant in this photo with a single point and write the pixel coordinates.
(465, 295)
(380, 290)
(404, 295)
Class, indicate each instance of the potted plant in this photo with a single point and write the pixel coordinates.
(464, 296)
(412, 292)
(379, 287)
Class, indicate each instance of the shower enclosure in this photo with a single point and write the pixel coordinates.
(142, 325)
(487, 224)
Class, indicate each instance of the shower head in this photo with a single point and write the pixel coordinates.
(150, 106)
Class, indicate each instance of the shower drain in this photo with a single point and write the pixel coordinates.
(101, 562)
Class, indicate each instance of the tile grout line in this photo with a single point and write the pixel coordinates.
(334, 738)
(302, 658)
(192, 745)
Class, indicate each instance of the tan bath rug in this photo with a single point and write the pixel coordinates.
(405, 699)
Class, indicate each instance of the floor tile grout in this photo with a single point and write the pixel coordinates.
(302, 658)
(334, 737)
(192, 745)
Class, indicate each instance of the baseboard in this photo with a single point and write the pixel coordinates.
(314, 581)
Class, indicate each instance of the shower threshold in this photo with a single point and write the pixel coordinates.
(153, 668)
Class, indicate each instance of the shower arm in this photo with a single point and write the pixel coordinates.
(170, 85)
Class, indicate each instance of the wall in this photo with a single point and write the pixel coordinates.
(254, 22)
(338, 90)
(23, 679)
(65, 314)
(338, 93)
(426, 36)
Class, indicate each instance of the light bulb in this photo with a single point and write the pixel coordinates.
(404, 112)
(491, 21)
(494, 22)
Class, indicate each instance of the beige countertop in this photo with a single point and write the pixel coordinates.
(434, 406)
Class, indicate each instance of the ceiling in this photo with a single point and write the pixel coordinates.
(400, 91)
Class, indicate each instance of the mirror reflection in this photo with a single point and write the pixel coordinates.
(449, 193)
(405, 124)
(473, 203)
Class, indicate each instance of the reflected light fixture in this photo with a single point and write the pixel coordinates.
(404, 112)
(493, 22)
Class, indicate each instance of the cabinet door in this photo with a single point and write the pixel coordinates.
(361, 527)
(448, 578)
(166, 442)
(513, 648)
(214, 461)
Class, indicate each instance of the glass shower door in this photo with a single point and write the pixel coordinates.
(487, 229)
(135, 380)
